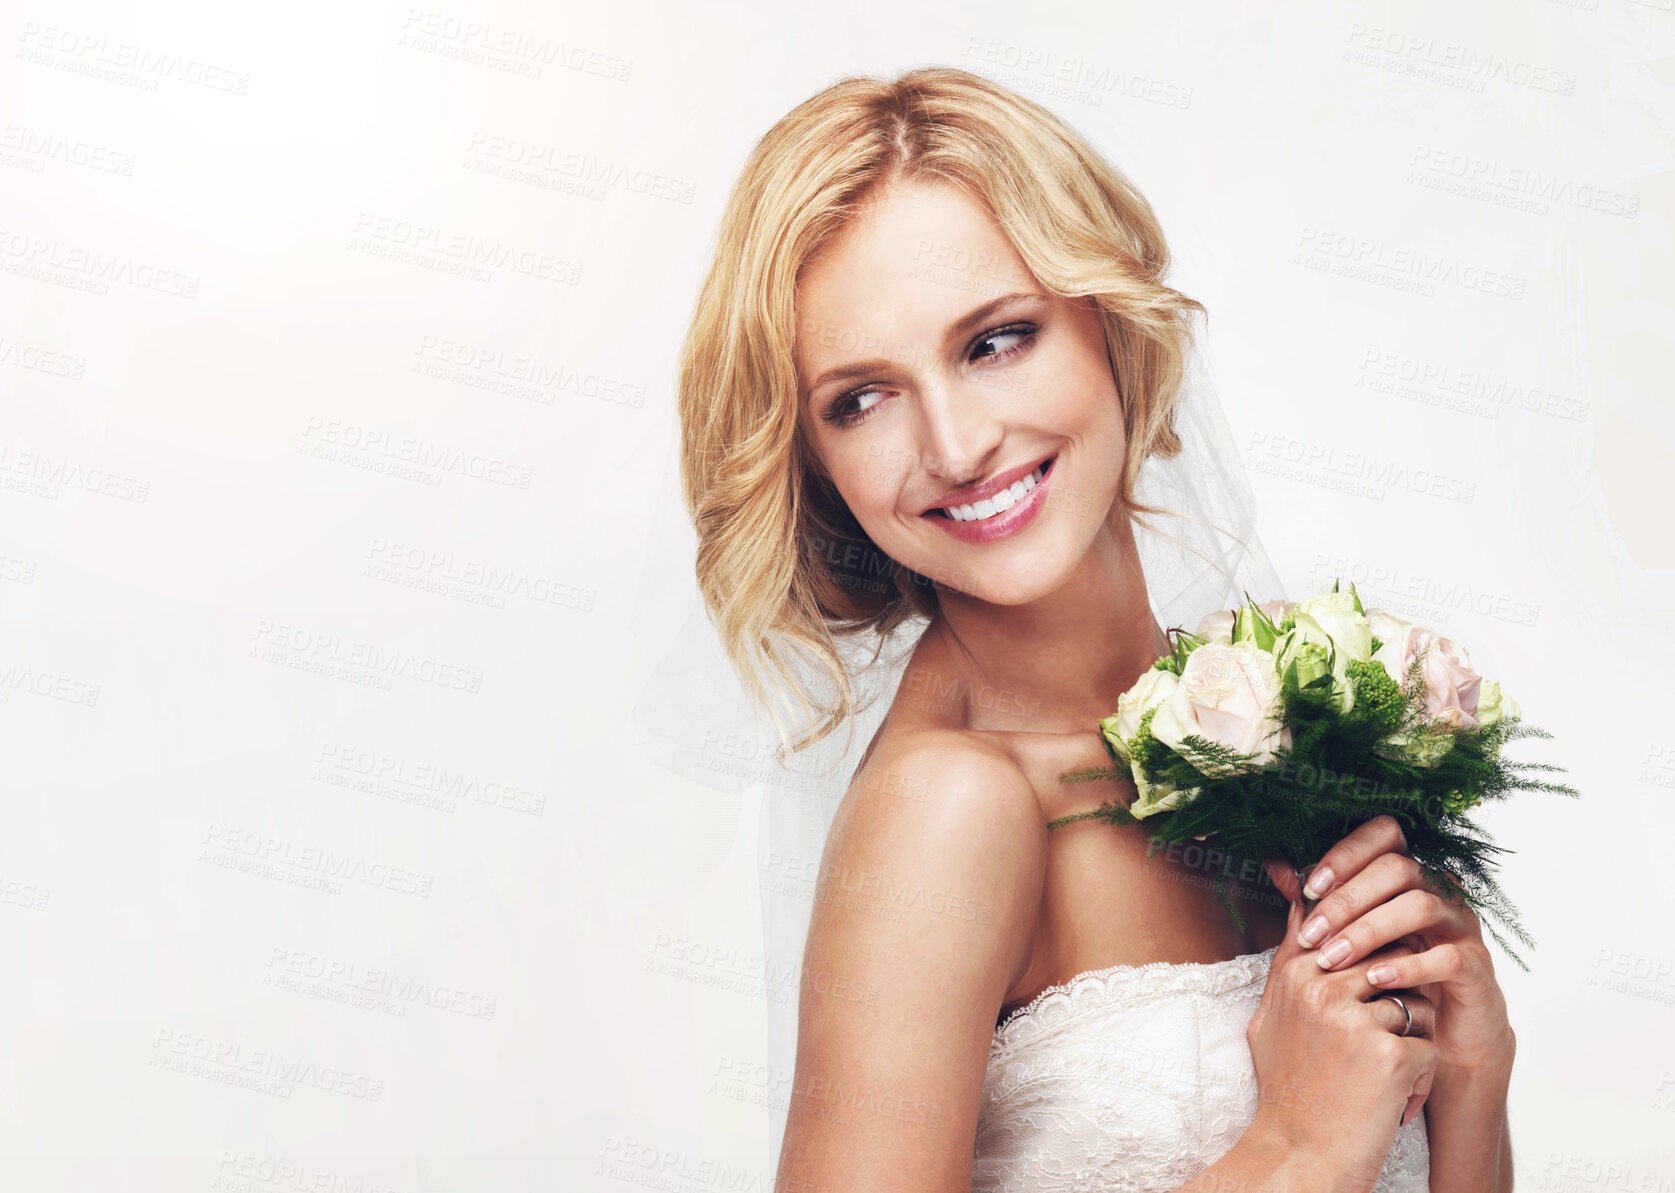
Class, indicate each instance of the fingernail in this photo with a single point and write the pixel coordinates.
(1380, 973)
(1320, 881)
(1313, 932)
(1334, 953)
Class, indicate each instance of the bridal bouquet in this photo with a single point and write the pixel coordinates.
(1277, 728)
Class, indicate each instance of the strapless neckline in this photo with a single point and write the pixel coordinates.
(1063, 997)
(1136, 1077)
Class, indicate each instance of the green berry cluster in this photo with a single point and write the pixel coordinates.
(1376, 694)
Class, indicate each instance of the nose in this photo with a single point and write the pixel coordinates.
(962, 432)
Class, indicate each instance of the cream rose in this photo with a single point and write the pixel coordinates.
(1277, 611)
(1228, 693)
(1154, 687)
(1310, 649)
(1385, 627)
(1336, 615)
(1158, 797)
(1219, 626)
(1494, 705)
(1452, 687)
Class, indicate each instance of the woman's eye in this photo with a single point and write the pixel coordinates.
(850, 408)
(1009, 339)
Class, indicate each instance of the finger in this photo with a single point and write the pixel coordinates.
(1384, 877)
(1285, 880)
(1456, 961)
(1291, 990)
(1289, 945)
(1413, 911)
(1421, 1091)
(1381, 834)
(1414, 1102)
(1388, 1014)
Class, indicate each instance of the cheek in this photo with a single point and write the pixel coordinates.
(1085, 407)
(869, 478)
(882, 458)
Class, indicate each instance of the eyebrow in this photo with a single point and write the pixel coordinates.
(965, 324)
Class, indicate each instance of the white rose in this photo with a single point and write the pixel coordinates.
(1313, 651)
(1275, 611)
(1452, 687)
(1217, 626)
(1220, 625)
(1158, 797)
(1349, 630)
(1153, 687)
(1494, 705)
(1385, 627)
(1229, 694)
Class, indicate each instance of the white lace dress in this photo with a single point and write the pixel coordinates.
(1135, 1078)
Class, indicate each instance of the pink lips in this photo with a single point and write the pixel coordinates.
(1002, 524)
(972, 494)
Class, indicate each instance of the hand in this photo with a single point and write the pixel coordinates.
(1336, 1078)
(1371, 893)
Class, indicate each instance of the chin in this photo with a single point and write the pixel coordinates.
(1018, 581)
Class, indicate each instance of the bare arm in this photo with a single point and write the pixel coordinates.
(1470, 1137)
(926, 906)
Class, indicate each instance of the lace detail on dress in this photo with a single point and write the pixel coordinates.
(1125, 980)
(1135, 1077)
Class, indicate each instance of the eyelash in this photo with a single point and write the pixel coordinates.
(839, 414)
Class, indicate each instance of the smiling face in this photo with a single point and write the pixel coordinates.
(969, 418)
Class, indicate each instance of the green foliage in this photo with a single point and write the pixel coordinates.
(1339, 772)
(1152, 755)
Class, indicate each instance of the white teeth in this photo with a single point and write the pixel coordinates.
(997, 504)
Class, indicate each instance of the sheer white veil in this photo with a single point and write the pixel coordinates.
(694, 719)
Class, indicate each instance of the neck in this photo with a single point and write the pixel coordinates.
(1057, 664)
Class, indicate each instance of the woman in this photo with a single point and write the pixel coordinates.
(924, 373)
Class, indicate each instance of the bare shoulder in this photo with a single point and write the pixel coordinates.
(924, 909)
(941, 816)
(935, 778)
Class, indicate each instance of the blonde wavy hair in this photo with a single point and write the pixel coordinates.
(785, 570)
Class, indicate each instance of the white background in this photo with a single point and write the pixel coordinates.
(288, 551)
